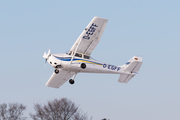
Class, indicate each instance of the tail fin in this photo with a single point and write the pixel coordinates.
(131, 68)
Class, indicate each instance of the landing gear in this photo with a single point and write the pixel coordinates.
(56, 71)
(58, 66)
(83, 65)
(71, 81)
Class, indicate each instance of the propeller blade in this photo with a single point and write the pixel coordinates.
(45, 55)
(45, 63)
(49, 52)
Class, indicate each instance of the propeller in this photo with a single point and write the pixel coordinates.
(46, 56)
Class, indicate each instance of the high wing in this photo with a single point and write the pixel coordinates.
(91, 36)
(56, 80)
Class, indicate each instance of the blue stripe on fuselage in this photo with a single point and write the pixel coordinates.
(75, 59)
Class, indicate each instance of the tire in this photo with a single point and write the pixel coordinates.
(56, 71)
(83, 65)
(71, 81)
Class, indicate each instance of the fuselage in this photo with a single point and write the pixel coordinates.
(63, 61)
(78, 59)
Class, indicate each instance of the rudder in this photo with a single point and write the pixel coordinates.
(130, 69)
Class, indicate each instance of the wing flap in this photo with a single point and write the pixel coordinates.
(56, 80)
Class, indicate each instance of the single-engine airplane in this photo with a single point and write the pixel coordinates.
(78, 60)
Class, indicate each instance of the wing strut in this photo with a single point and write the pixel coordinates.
(75, 53)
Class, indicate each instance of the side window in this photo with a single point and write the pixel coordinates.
(78, 55)
(86, 56)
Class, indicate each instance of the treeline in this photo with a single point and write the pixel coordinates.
(57, 109)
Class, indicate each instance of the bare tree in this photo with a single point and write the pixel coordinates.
(62, 109)
(12, 111)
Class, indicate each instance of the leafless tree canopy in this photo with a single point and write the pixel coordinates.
(12, 111)
(62, 109)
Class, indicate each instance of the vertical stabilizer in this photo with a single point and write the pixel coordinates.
(131, 68)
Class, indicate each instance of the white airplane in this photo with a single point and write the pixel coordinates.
(78, 60)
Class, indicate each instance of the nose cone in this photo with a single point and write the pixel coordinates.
(46, 55)
(53, 61)
(50, 60)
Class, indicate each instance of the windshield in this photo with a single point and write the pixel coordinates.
(68, 52)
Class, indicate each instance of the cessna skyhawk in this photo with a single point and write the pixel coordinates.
(78, 60)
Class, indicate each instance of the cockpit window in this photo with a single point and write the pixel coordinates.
(78, 55)
(86, 56)
(69, 52)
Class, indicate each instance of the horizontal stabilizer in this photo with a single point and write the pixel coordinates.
(124, 78)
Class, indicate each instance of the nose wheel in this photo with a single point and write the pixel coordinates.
(71, 81)
(56, 71)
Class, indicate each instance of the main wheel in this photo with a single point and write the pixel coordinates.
(83, 65)
(71, 81)
(56, 71)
